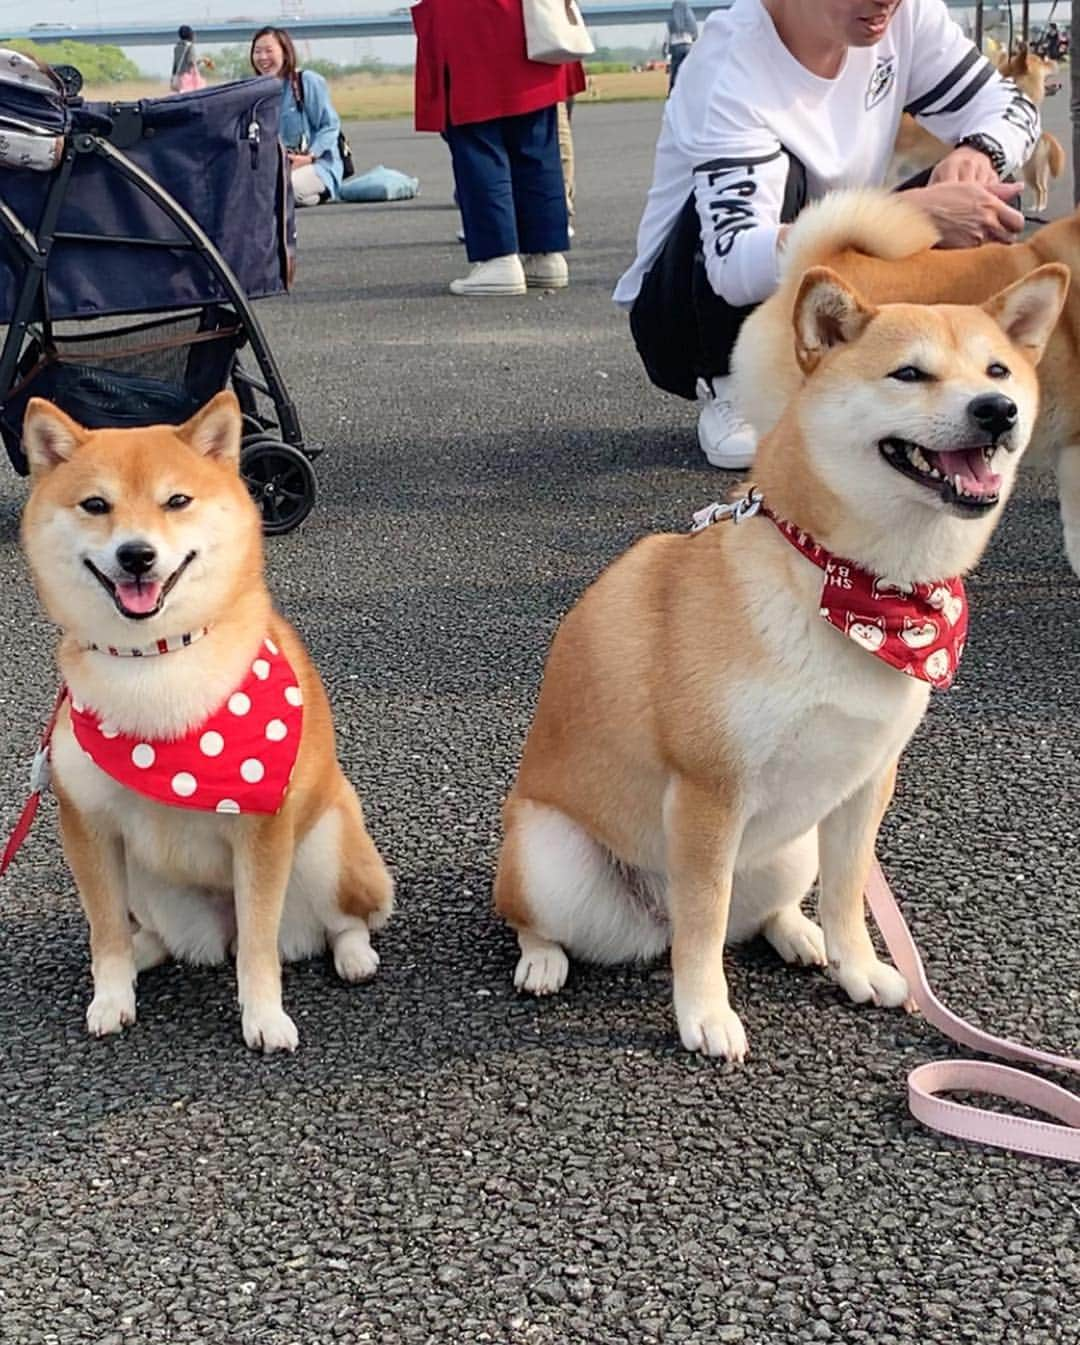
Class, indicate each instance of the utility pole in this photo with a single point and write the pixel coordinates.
(1025, 16)
(1074, 100)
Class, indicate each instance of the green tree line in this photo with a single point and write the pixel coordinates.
(99, 65)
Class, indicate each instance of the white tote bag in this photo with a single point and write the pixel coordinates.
(555, 32)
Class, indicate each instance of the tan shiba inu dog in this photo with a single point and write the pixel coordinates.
(704, 741)
(884, 246)
(1047, 161)
(147, 550)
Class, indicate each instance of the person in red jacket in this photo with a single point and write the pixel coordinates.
(497, 111)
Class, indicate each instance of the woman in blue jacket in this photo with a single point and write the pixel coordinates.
(309, 125)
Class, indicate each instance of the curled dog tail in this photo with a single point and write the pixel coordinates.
(879, 223)
(875, 222)
(1055, 154)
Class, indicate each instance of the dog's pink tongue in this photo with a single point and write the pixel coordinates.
(139, 598)
(971, 470)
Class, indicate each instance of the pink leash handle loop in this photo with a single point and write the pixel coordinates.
(1042, 1138)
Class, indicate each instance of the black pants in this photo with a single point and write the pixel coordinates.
(678, 53)
(683, 330)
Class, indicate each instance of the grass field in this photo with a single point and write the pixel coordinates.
(370, 97)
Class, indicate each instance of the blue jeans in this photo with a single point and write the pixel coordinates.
(509, 185)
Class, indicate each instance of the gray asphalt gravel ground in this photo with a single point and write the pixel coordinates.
(444, 1161)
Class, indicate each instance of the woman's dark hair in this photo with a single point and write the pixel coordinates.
(185, 34)
(288, 51)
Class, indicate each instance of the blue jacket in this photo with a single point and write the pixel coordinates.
(314, 128)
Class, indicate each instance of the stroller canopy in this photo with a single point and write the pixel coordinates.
(214, 151)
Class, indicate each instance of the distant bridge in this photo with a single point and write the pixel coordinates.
(395, 24)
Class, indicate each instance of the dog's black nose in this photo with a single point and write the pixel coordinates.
(993, 413)
(136, 557)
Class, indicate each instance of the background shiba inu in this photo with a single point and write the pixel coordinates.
(917, 148)
(885, 246)
(148, 540)
(704, 743)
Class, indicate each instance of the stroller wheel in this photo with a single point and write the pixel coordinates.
(281, 482)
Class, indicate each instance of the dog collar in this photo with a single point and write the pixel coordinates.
(919, 629)
(238, 760)
(166, 646)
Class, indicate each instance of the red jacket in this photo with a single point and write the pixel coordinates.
(471, 65)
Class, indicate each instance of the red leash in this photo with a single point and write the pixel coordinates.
(39, 782)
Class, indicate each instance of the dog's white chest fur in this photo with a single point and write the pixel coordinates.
(178, 845)
(808, 738)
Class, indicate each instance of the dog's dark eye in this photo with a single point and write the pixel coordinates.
(909, 373)
(94, 504)
(178, 502)
(996, 370)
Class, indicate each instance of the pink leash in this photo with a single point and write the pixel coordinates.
(926, 1081)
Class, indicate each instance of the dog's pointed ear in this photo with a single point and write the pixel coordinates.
(1028, 310)
(49, 437)
(827, 313)
(216, 430)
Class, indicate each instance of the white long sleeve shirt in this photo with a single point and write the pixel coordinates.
(742, 100)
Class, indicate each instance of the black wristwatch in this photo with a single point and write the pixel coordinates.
(986, 144)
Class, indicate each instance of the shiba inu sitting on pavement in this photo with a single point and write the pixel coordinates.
(201, 803)
(722, 713)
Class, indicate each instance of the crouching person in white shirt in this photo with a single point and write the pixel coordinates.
(779, 103)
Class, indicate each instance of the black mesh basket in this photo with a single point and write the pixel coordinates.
(157, 372)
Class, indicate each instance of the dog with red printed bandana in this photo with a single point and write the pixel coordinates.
(722, 712)
(202, 806)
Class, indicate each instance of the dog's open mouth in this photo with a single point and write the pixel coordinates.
(961, 476)
(139, 599)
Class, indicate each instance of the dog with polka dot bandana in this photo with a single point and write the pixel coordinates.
(202, 806)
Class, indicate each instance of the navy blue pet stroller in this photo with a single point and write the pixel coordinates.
(173, 211)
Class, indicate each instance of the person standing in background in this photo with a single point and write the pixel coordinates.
(497, 111)
(185, 64)
(682, 33)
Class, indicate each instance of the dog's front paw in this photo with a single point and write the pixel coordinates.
(715, 1031)
(267, 1027)
(871, 980)
(110, 1011)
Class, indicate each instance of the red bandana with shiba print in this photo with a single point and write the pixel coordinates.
(239, 760)
(919, 629)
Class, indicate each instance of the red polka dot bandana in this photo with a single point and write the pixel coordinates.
(919, 629)
(239, 760)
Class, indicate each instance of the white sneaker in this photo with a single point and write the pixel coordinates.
(725, 438)
(546, 270)
(498, 275)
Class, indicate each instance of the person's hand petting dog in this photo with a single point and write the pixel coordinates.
(968, 202)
